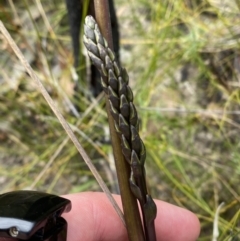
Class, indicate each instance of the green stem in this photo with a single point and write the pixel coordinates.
(129, 202)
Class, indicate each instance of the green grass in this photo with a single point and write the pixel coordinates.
(182, 58)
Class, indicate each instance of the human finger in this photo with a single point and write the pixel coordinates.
(93, 218)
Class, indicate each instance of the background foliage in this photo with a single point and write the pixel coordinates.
(184, 65)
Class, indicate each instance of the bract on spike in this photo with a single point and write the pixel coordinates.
(134, 188)
(105, 42)
(113, 83)
(111, 74)
(111, 54)
(85, 39)
(123, 100)
(129, 94)
(113, 97)
(114, 111)
(124, 107)
(99, 37)
(122, 121)
(150, 209)
(116, 68)
(104, 71)
(92, 47)
(136, 166)
(117, 128)
(126, 150)
(122, 87)
(125, 75)
(102, 51)
(143, 153)
(96, 28)
(133, 114)
(98, 62)
(89, 32)
(105, 89)
(135, 140)
(124, 127)
(108, 63)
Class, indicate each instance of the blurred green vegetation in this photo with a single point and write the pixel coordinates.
(183, 59)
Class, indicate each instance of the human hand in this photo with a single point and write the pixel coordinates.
(92, 218)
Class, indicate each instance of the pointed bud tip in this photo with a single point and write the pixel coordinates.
(90, 21)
